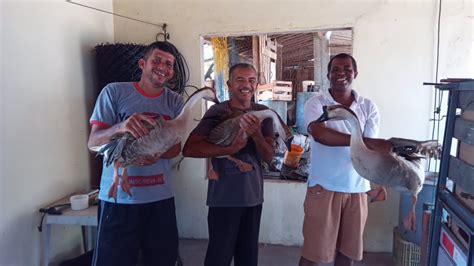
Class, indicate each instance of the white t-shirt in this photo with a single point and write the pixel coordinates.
(331, 167)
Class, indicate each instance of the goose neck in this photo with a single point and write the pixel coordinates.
(183, 115)
(356, 131)
(278, 124)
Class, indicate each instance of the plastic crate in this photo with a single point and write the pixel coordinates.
(405, 253)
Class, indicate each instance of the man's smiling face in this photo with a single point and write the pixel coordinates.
(157, 68)
(242, 83)
(341, 74)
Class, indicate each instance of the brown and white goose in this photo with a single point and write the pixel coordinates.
(124, 149)
(398, 165)
(225, 133)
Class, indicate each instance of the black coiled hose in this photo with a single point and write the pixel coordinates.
(181, 77)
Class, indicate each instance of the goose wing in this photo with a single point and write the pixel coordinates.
(414, 150)
(113, 150)
(125, 148)
(225, 133)
(163, 136)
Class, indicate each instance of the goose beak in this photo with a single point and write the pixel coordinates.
(214, 97)
(324, 116)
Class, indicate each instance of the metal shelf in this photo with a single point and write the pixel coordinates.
(461, 96)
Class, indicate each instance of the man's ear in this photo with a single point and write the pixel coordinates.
(327, 75)
(141, 63)
(228, 84)
(355, 74)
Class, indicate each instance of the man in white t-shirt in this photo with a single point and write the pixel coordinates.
(336, 201)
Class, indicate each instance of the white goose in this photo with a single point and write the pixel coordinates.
(398, 165)
(124, 149)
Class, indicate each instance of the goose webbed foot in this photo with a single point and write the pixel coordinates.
(377, 194)
(115, 182)
(124, 184)
(409, 222)
(243, 166)
(211, 173)
(119, 180)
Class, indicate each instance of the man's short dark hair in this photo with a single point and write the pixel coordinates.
(240, 65)
(163, 46)
(343, 55)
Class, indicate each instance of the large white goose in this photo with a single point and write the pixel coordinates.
(124, 149)
(398, 165)
(225, 133)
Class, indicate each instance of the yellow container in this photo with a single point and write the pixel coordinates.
(292, 158)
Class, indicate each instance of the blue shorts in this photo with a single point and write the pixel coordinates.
(124, 229)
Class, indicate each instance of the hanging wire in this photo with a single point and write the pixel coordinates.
(438, 94)
(115, 14)
(181, 69)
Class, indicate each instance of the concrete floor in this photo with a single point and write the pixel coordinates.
(192, 253)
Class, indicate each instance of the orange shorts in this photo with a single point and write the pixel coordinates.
(333, 222)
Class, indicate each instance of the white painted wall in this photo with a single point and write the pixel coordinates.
(394, 43)
(47, 90)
